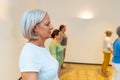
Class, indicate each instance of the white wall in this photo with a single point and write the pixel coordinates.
(85, 36)
(11, 40)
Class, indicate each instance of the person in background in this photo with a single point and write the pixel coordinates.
(56, 48)
(35, 62)
(64, 39)
(107, 51)
(116, 56)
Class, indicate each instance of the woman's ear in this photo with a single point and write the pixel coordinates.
(56, 37)
(35, 29)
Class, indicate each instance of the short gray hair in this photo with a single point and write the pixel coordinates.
(118, 31)
(29, 20)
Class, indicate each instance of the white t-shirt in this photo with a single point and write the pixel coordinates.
(107, 44)
(38, 59)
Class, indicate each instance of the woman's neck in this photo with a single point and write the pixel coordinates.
(119, 38)
(56, 40)
(37, 42)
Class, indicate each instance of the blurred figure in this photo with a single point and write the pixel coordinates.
(35, 62)
(56, 48)
(63, 40)
(107, 51)
(116, 56)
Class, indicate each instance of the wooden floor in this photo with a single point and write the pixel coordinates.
(84, 72)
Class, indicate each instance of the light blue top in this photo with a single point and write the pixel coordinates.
(38, 59)
(116, 51)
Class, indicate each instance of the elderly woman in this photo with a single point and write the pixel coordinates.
(35, 62)
(107, 51)
(116, 56)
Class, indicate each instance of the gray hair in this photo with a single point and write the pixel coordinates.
(29, 20)
(118, 31)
